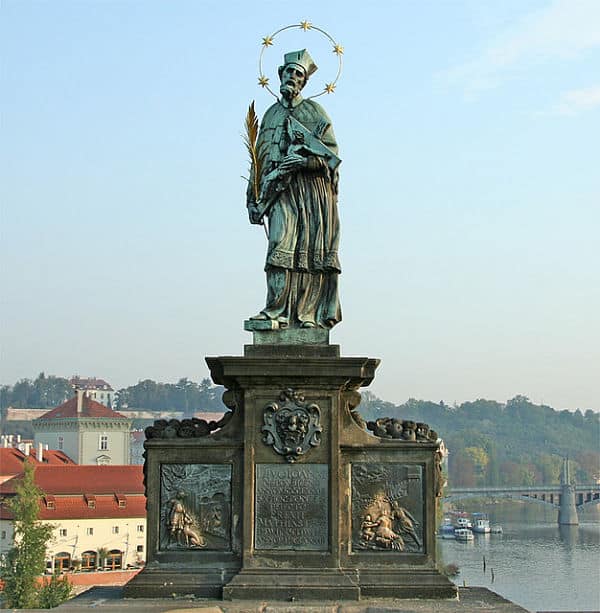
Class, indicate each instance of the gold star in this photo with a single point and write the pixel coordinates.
(305, 25)
(330, 88)
(338, 49)
(263, 81)
(267, 41)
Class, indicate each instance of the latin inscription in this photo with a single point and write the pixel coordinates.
(292, 507)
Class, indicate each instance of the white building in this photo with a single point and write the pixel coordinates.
(96, 389)
(99, 514)
(87, 431)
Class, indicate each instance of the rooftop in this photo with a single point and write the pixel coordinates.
(78, 479)
(90, 408)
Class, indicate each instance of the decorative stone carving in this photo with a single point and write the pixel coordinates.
(292, 426)
(402, 429)
(352, 399)
(195, 506)
(186, 428)
(387, 507)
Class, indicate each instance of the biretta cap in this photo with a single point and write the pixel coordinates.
(301, 58)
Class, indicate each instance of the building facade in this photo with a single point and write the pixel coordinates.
(97, 389)
(85, 430)
(98, 514)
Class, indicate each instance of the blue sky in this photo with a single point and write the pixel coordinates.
(469, 195)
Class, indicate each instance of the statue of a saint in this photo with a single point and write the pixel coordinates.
(298, 187)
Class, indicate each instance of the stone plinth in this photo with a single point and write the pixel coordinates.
(290, 498)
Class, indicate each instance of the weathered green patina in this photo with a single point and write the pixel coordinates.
(298, 194)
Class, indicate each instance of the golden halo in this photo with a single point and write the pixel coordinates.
(267, 41)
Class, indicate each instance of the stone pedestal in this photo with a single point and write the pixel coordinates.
(290, 498)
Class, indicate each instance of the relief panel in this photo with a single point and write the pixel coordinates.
(387, 507)
(195, 507)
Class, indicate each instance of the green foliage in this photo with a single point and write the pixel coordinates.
(55, 592)
(26, 561)
(185, 395)
(517, 443)
(44, 392)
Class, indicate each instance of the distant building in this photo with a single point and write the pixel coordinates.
(96, 389)
(17, 414)
(99, 514)
(85, 430)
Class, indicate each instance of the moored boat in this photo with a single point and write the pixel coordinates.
(462, 522)
(446, 531)
(481, 523)
(463, 534)
(496, 529)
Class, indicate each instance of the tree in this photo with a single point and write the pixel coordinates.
(55, 591)
(26, 561)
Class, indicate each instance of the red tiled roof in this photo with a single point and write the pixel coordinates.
(11, 461)
(90, 408)
(77, 479)
(53, 457)
(76, 507)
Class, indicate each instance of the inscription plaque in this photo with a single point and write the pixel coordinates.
(387, 507)
(292, 507)
(195, 506)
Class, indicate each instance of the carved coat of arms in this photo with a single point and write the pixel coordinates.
(292, 426)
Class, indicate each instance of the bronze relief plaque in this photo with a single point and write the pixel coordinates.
(387, 507)
(292, 507)
(195, 507)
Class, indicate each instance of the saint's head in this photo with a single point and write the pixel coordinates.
(297, 68)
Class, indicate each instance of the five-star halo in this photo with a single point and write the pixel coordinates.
(267, 41)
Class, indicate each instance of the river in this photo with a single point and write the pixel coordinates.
(535, 563)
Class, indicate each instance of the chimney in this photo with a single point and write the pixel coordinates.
(26, 448)
(40, 452)
(18, 438)
(80, 401)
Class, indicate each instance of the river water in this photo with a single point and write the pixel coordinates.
(535, 563)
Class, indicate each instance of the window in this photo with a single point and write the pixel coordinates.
(91, 502)
(103, 442)
(115, 529)
(3, 535)
(61, 442)
(62, 561)
(88, 559)
(63, 532)
(49, 502)
(114, 559)
(140, 528)
(140, 548)
(90, 532)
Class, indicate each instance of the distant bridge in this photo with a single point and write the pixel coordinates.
(585, 495)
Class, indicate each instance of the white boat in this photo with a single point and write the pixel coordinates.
(496, 529)
(463, 534)
(481, 523)
(462, 522)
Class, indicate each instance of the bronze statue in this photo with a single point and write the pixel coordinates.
(294, 184)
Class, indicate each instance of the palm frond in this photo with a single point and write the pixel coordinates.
(257, 154)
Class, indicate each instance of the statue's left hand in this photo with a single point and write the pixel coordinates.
(292, 162)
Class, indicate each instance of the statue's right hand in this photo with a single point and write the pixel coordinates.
(253, 214)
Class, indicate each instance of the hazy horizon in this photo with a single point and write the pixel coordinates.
(469, 190)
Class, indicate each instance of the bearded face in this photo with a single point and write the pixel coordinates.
(293, 80)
